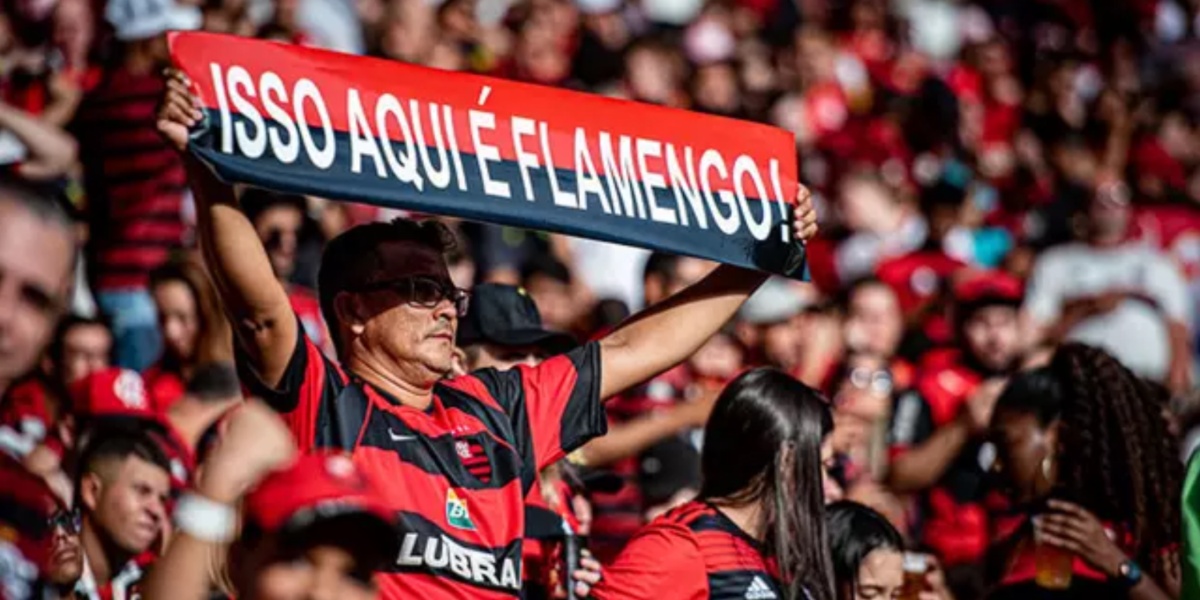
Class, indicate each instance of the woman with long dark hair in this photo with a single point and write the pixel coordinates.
(1089, 461)
(757, 530)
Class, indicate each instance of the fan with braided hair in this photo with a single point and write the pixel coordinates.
(1083, 441)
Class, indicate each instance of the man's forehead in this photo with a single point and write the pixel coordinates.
(34, 249)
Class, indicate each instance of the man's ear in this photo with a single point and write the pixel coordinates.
(349, 312)
(90, 488)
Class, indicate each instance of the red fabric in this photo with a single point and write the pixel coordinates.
(460, 535)
(316, 480)
(135, 180)
(692, 552)
(1150, 160)
(111, 392)
(26, 505)
(916, 277)
(307, 307)
(26, 417)
(1022, 566)
(618, 516)
(1176, 230)
(988, 285)
(164, 386)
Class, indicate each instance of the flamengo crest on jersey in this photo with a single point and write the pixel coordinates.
(457, 514)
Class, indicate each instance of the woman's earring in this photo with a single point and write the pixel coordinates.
(1046, 465)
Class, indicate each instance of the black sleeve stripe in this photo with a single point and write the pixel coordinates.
(286, 397)
(519, 417)
(507, 389)
(584, 417)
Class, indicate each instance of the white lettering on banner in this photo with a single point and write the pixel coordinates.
(252, 145)
(560, 198)
(711, 161)
(443, 553)
(522, 127)
(321, 158)
(742, 167)
(587, 181)
(653, 181)
(362, 141)
(440, 178)
(416, 143)
(686, 187)
(273, 93)
(621, 179)
(405, 170)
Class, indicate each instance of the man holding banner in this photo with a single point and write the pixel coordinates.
(457, 456)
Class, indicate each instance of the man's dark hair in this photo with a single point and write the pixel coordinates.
(39, 201)
(545, 265)
(118, 441)
(70, 322)
(214, 382)
(662, 265)
(355, 252)
(256, 201)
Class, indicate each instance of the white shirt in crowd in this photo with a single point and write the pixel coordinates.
(1135, 332)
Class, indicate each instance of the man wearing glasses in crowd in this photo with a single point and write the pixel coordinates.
(392, 310)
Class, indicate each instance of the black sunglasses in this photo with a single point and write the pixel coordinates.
(424, 292)
(70, 521)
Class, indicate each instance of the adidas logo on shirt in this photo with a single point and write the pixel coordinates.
(759, 590)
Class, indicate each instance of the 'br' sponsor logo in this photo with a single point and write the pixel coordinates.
(457, 514)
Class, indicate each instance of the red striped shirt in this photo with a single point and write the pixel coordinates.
(456, 473)
(691, 553)
(134, 180)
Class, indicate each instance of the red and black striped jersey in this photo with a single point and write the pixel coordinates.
(135, 180)
(693, 552)
(457, 472)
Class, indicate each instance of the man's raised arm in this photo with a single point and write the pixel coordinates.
(665, 334)
(256, 302)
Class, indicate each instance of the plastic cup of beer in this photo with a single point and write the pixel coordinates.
(1053, 565)
(916, 565)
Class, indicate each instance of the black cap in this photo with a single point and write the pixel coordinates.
(505, 315)
(666, 468)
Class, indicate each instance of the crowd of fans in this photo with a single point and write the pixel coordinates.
(995, 354)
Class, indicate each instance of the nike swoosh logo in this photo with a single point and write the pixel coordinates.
(400, 438)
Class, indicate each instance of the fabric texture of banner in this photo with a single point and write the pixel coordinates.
(387, 133)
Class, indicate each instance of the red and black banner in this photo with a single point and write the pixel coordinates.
(314, 122)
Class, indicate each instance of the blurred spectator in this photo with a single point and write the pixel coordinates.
(686, 553)
(881, 226)
(135, 183)
(123, 487)
(278, 219)
(34, 149)
(26, 508)
(869, 560)
(937, 427)
(36, 262)
(66, 554)
(80, 347)
(1089, 463)
(549, 283)
(193, 324)
(1119, 295)
(211, 394)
